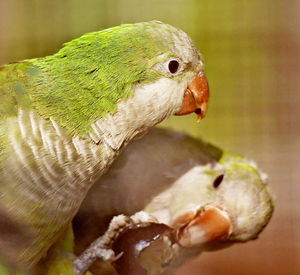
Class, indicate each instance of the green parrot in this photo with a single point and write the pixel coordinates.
(210, 198)
(65, 118)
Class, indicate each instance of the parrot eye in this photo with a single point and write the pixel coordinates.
(218, 180)
(173, 66)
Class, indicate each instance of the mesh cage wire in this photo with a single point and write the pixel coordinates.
(251, 49)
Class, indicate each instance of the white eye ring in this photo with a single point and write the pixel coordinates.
(171, 67)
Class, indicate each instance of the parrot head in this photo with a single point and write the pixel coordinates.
(134, 74)
(234, 204)
(173, 74)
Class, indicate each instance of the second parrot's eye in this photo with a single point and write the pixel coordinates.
(173, 66)
(218, 180)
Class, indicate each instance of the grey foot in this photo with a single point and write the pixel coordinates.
(101, 247)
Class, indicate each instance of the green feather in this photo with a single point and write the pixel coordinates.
(14, 88)
(88, 77)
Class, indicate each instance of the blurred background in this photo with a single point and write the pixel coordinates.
(251, 49)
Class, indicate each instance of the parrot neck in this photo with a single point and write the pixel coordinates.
(150, 104)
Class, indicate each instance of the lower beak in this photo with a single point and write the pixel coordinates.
(209, 225)
(195, 97)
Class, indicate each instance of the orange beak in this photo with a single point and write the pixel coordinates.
(195, 97)
(208, 225)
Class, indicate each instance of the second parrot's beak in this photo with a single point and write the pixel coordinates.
(195, 97)
(208, 225)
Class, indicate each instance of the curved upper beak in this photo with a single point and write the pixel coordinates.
(196, 97)
(208, 225)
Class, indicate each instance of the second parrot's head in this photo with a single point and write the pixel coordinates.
(135, 74)
(233, 204)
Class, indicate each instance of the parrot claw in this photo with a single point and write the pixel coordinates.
(101, 248)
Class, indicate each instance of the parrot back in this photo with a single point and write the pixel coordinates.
(41, 165)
